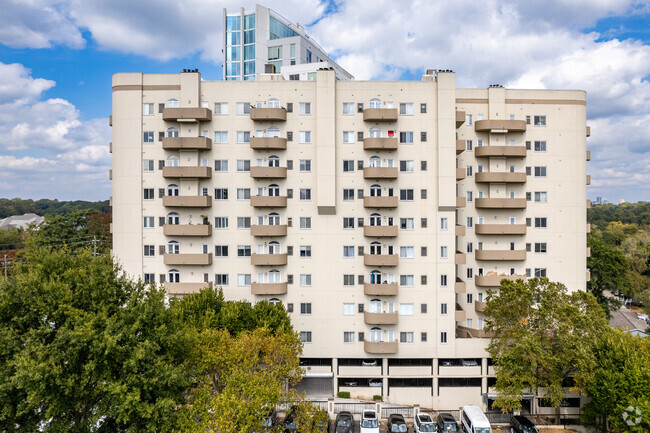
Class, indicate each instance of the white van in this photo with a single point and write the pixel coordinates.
(473, 420)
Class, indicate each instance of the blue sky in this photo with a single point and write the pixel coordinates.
(57, 58)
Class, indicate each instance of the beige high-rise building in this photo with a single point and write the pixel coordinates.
(379, 213)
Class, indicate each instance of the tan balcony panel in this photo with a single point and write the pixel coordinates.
(268, 114)
(380, 289)
(187, 201)
(500, 177)
(460, 118)
(501, 151)
(460, 173)
(495, 280)
(588, 275)
(479, 306)
(268, 201)
(269, 288)
(500, 125)
(380, 259)
(269, 259)
(464, 332)
(188, 259)
(185, 288)
(380, 114)
(187, 172)
(500, 203)
(460, 146)
(268, 230)
(189, 114)
(588, 131)
(588, 252)
(380, 231)
(459, 286)
(501, 255)
(380, 318)
(380, 347)
(589, 155)
(588, 228)
(380, 143)
(187, 230)
(459, 258)
(198, 143)
(268, 172)
(500, 229)
(588, 204)
(461, 202)
(459, 230)
(270, 143)
(380, 173)
(588, 179)
(380, 202)
(459, 314)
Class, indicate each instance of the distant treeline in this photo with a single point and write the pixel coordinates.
(627, 213)
(17, 206)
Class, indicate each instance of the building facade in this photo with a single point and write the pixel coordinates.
(254, 41)
(378, 213)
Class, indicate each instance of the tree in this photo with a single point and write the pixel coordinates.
(608, 267)
(77, 229)
(543, 336)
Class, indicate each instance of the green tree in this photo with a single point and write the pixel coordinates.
(608, 267)
(543, 335)
(77, 229)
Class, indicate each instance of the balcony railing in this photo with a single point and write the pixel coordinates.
(500, 255)
(380, 289)
(268, 143)
(268, 114)
(459, 286)
(268, 172)
(380, 259)
(269, 288)
(480, 306)
(268, 201)
(495, 280)
(501, 151)
(500, 229)
(380, 114)
(461, 202)
(465, 332)
(380, 347)
(460, 118)
(380, 318)
(185, 288)
(459, 230)
(380, 202)
(188, 259)
(380, 231)
(460, 146)
(380, 173)
(193, 143)
(500, 177)
(459, 315)
(500, 125)
(269, 259)
(500, 203)
(189, 114)
(459, 258)
(187, 201)
(268, 230)
(460, 173)
(380, 143)
(187, 172)
(187, 230)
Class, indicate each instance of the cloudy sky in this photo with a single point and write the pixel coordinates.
(57, 58)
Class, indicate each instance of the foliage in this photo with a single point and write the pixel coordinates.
(343, 394)
(78, 228)
(11, 239)
(608, 268)
(542, 336)
(377, 397)
(627, 213)
(17, 206)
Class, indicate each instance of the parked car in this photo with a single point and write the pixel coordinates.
(375, 382)
(423, 423)
(474, 420)
(369, 362)
(469, 363)
(351, 383)
(289, 424)
(369, 422)
(344, 422)
(396, 423)
(521, 424)
(446, 423)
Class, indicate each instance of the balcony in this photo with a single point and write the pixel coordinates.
(380, 289)
(459, 230)
(380, 318)
(500, 126)
(495, 280)
(187, 172)
(183, 143)
(588, 228)
(185, 288)
(460, 118)
(459, 258)
(268, 230)
(459, 315)
(268, 143)
(588, 252)
(380, 115)
(459, 286)
(589, 155)
(268, 172)
(460, 173)
(588, 275)
(460, 146)
(188, 259)
(268, 201)
(500, 203)
(479, 306)
(501, 255)
(269, 288)
(187, 201)
(375, 143)
(500, 177)
(588, 179)
(380, 259)
(500, 229)
(380, 173)
(268, 259)
(380, 202)
(268, 114)
(501, 151)
(380, 231)
(464, 332)
(380, 347)
(187, 230)
(461, 201)
(588, 131)
(189, 114)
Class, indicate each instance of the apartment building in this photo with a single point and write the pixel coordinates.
(262, 41)
(378, 213)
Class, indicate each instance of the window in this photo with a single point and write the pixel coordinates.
(443, 223)
(148, 222)
(147, 137)
(443, 252)
(243, 222)
(443, 338)
(406, 224)
(305, 336)
(348, 337)
(348, 222)
(406, 194)
(243, 136)
(348, 165)
(348, 251)
(348, 194)
(173, 276)
(243, 165)
(348, 136)
(443, 309)
(406, 166)
(243, 108)
(348, 108)
(305, 108)
(470, 247)
(540, 196)
(305, 250)
(468, 145)
(221, 193)
(305, 194)
(243, 193)
(540, 222)
(221, 136)
(540, 272)
(406, 337)
(221, 222)
(443, 280)
(147, 165)
(149, 278)
(406, 109)
(243, 280)
(468, 171)
(406, 280)
(221, 279)
(540, 171)
(305, 308)
(540, 146)
(470, 222)
(243, 250)
(406, 309)
(406, 252)
(468, 119)
(305, 165)
(540, 247)
(305, 137)
(406, 137)
(149, 250)
(220, 108)
(221, 250)
(470, 273)
(423, 108)
(305, 280)
(148, 194)
(305, 222)
(348, 280)
(221, 165)
(539, 120)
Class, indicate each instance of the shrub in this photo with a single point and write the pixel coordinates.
(343, 394)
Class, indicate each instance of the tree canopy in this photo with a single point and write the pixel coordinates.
(17, 206)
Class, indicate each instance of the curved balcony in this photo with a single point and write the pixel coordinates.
(380, 173)
(460, 146)
(268, 172)
(380, 143)
(187, 230)
(500, 255)
(380, 231)
(464, 332)
(495, 280)
(185, 288)
(500, 229)
(268, 230)
(268, 114)
(268, 288)
(500, 203)
(268, 201)
(501, 151)
(380, 114)
(268, 259)
(460, 173)
(380, 259)
(500, 126)
(500, 177)
(268, 143)
(189, 114)
(187, 201)
(380, 202)
(380, 347)
(188, 259)
(380, 318)
(187, 172)
(479, 306)
(182, 143)
(380, 289)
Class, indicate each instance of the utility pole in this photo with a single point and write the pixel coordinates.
(5, 266)
(94, 246)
